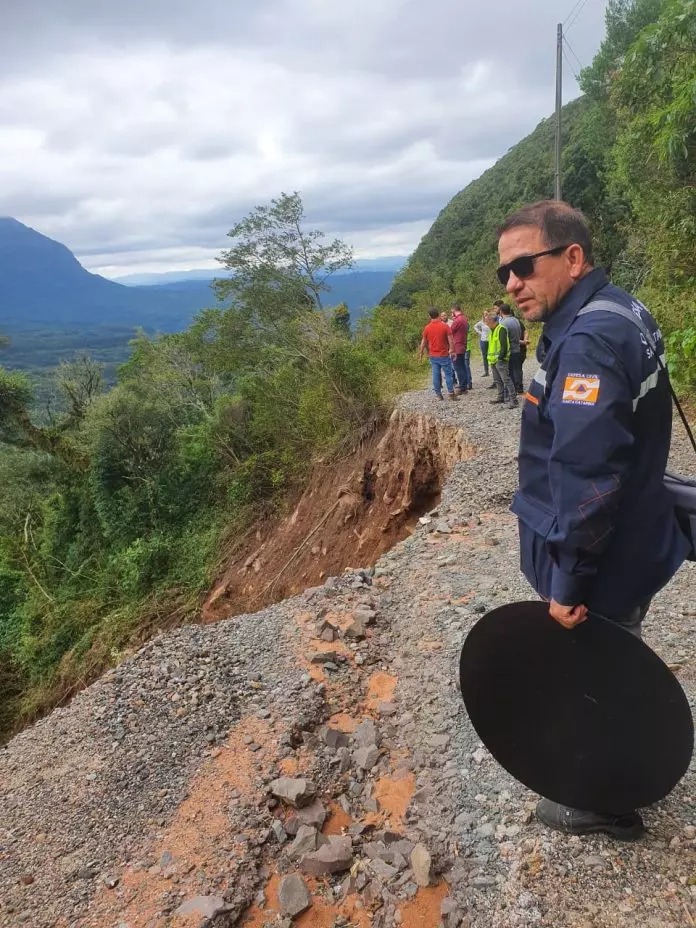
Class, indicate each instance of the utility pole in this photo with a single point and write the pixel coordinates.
(559, 101)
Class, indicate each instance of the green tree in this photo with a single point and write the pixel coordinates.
(340, 320)
(278, 267)
(654, 96)
(625, 19)
(79, 382)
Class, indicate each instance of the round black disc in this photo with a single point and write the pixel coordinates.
(590, 718)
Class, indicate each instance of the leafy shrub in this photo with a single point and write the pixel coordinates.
(262, 477)
(681, 349)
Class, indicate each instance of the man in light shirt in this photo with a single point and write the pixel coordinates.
(484, 333)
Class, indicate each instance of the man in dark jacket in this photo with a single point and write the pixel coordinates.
(597, 528)
(513, 327)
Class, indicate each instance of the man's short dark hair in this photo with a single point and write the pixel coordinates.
(558, 222)
(505, 309)
(433, 313)
(498, 303)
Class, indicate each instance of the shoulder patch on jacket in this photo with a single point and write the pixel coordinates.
(581, 389)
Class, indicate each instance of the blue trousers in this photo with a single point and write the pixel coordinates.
(462, 368)
(484, 354)
(442, 366)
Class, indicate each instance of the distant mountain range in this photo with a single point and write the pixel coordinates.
(51, 307)
(42, 283)
(392, 263)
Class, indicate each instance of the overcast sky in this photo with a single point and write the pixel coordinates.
(138, 132)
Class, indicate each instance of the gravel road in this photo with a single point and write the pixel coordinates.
(149, 797)
(511, 872)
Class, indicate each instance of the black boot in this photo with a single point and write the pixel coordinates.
(626, 827)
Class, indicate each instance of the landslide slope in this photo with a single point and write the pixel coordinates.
(356, 506)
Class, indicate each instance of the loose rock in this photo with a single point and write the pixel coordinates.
(293, 895)
(421, 863)
(333, 857)
(305, 842)
(205, 906)
(297, 792)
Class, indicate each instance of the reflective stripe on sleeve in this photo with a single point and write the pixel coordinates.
(648, 384)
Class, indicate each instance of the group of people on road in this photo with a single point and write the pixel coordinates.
(503, 342)
(446, 339)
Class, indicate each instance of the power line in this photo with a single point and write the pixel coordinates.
(570, 49)
(570, 65)
(574, 18)
(577, 4)
(576, 15)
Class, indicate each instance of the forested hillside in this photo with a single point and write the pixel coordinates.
(629, 162)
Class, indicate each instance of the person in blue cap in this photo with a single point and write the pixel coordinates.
(597, 527)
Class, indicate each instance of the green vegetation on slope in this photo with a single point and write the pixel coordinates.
(115, 510)
(629, 162)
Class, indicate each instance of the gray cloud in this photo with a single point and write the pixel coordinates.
(139, 132)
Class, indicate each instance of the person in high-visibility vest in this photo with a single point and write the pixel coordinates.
(499, 360)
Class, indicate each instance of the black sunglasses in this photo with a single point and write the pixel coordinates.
(523, 266)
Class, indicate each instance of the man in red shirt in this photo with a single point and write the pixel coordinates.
(460, 335)
(437, 338)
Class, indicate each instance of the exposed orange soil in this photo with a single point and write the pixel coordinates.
(316, 673)
(380, 688)
(289, 767)
(297, 765)
(256, 917)
(338, 820)
(352, 511)
(198, 837)
(338, 647)
(423, 911)
(344, 722)
(321, 914)
(394, 794)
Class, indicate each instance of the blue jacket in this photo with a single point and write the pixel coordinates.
(596, 524)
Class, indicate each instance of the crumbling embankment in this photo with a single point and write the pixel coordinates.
(354, 509)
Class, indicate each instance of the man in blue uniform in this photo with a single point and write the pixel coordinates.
(597, 528)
